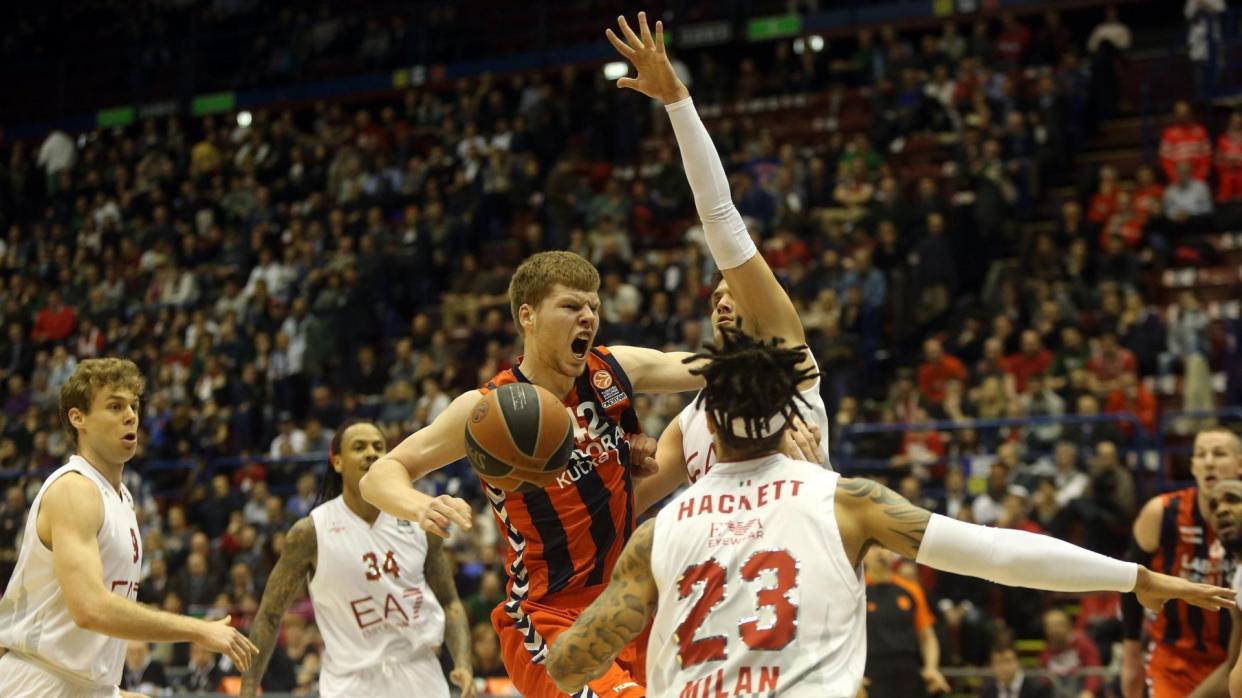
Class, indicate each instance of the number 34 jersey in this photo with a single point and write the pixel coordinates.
(372, 602)
(756, 592)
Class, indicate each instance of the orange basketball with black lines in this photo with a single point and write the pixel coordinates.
(519, 437)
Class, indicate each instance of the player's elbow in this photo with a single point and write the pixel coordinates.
(87, 613)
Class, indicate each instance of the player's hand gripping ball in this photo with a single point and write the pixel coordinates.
(519, 437)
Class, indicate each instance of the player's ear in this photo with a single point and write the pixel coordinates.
(77, 418)
(337, 464)
(526, 317)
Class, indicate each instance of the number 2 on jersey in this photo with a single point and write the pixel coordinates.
(713, 578)
(373, 566)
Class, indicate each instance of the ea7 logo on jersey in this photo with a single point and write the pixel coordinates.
(406, 526)
(734, 532)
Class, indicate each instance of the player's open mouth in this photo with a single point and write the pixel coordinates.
(580, 345)
(130, 438)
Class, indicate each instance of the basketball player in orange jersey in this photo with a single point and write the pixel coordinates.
(70, 607)
(749, 290)
(1225, 505)
(382, 589)
(563, 538)
(1173, 534)
(754, 575)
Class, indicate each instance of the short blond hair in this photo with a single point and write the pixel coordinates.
(1234, 439)
(535, 277)
(88, 379)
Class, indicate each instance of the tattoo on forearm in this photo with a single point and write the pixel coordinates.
(906, 522)
(286, 583)
(585, 651)
(456, 625)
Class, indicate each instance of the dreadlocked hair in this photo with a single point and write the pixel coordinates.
(332, 484)
(751, 380)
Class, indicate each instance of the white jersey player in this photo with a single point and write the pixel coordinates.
(746, 561)
(749, 297)
(753, 574)
(380, 586)
(70, 607)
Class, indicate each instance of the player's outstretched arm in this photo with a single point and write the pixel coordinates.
(72, 512)
(762, 300)
(439, 576)
(654, 371)
(286, 583)
(388, 484)
(869, 513)
(585, 651)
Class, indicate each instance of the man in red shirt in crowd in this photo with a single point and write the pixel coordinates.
(937, 370)
(1109, 363)
(1104, 201)
(1185, 140)
(1148, 193)
(1032, 360)
(1132, 397)
(1229, 160)
(55, 322)
(1067, 653)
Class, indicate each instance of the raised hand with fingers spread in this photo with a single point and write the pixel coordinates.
(656, 77)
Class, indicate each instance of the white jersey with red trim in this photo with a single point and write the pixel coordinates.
(371, 598)
(35, 623)
(756, 594)
(698, 446)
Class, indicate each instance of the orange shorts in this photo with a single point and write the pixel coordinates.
(626, 678)
(1172, 674)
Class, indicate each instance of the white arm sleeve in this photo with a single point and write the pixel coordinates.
(727, 237)
(1021, 559)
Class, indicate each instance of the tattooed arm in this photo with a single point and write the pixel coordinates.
(286, 583)
(439, 576)
(585, 651)
(869, 513)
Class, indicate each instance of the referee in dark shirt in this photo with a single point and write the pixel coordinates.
(903, 655)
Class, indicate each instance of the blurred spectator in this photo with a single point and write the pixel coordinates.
(1068, 652)
(142, 673)
(299, 505)
(55, 321)
(938, 368)
(1185, 141)
(1188, 201)
(987, 508)
(1229, 161)
(1204, 43)
(290, 441)
(1032, 361)
(485, 649)
(204, 675)
(1009, 681)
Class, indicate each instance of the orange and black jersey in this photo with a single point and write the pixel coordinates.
(1190, 549)
(567, 536)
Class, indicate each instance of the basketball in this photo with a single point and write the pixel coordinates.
(519, 437)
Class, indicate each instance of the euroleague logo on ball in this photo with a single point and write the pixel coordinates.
(480, 411)
(602, 379)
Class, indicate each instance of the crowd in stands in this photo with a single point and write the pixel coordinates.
(352, 260)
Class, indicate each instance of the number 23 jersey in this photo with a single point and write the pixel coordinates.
(756, 593)
(372, 602)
